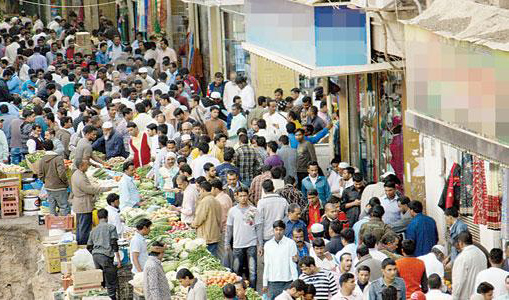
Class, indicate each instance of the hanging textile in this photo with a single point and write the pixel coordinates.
(451, 192)
(492, 204)
(466, 179)
(142, 16)
(479, 196)
(505, 205)
(163, 15)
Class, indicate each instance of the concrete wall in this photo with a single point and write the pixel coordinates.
(266, 76)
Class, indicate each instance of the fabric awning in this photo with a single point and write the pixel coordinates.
(488, 26)
(312, 71)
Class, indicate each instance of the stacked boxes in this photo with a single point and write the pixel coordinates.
(55, 254)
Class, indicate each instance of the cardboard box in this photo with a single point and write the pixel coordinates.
(59, 250)
(54, 265)
(88, 278)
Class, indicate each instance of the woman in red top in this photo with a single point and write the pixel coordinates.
(412, 270)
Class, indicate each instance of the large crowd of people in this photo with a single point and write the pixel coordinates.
(241, 170)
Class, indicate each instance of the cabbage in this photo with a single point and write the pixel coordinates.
(192, 245)
(170, 266)
(146, 185)
(183, 254)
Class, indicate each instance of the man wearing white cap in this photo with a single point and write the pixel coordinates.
(111, 143)
(433, 261)
(146, 80)
(335, 179)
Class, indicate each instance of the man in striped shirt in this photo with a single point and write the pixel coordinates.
(322, 280)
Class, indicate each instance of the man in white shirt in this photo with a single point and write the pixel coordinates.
(324, 260)
(115, 50)
(335, 178)
(296, 290)
(165, 51)
(138, 248)
(433, 261)
(494, 275)
(348, 290)
(247, 93)
(276, 121)
(190, 195)
(4, 146)
(11, 51)
(238, 121)
(279, 256)
(114, 213)
(161, 85)
(231, 89)
(198, 163)
(435, 289)
(470, 262)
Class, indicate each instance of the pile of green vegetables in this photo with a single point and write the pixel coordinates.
(216, 292)
(101, 174)
(32, 158)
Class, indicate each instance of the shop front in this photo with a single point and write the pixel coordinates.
(455, 103)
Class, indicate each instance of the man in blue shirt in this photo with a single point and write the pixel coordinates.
(422, 229)
(313, 139)
(36, 61)
(314, 181)
(14, 84)
(293, 221)
(129, 195)
(456, 227)
(101, 57)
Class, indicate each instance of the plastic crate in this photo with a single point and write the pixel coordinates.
(10, 209)
(59, 222)
(11, 180)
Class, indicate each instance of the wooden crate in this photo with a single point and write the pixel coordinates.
(87, 279)
(59, 222)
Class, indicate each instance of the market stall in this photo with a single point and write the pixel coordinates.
(184, 249)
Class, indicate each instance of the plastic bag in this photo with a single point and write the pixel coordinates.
(83, 260)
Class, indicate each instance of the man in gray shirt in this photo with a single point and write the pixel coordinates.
(271, 207)
(103, 244)
(83, 149)
(406, 217)
(288, 155)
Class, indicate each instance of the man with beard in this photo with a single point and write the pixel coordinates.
(111, 143)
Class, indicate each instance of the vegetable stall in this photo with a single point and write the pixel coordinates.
(184, 250)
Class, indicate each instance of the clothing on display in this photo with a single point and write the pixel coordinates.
(466, 207)
(479, 195)
(451, 192)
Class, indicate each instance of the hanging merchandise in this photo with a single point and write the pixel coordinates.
(505, 205)
(479, 197)
(466, 207)
(451, 192)
(492, 204)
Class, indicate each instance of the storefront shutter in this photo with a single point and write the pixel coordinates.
(473, 228)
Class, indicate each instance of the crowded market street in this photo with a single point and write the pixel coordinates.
(254, 149)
